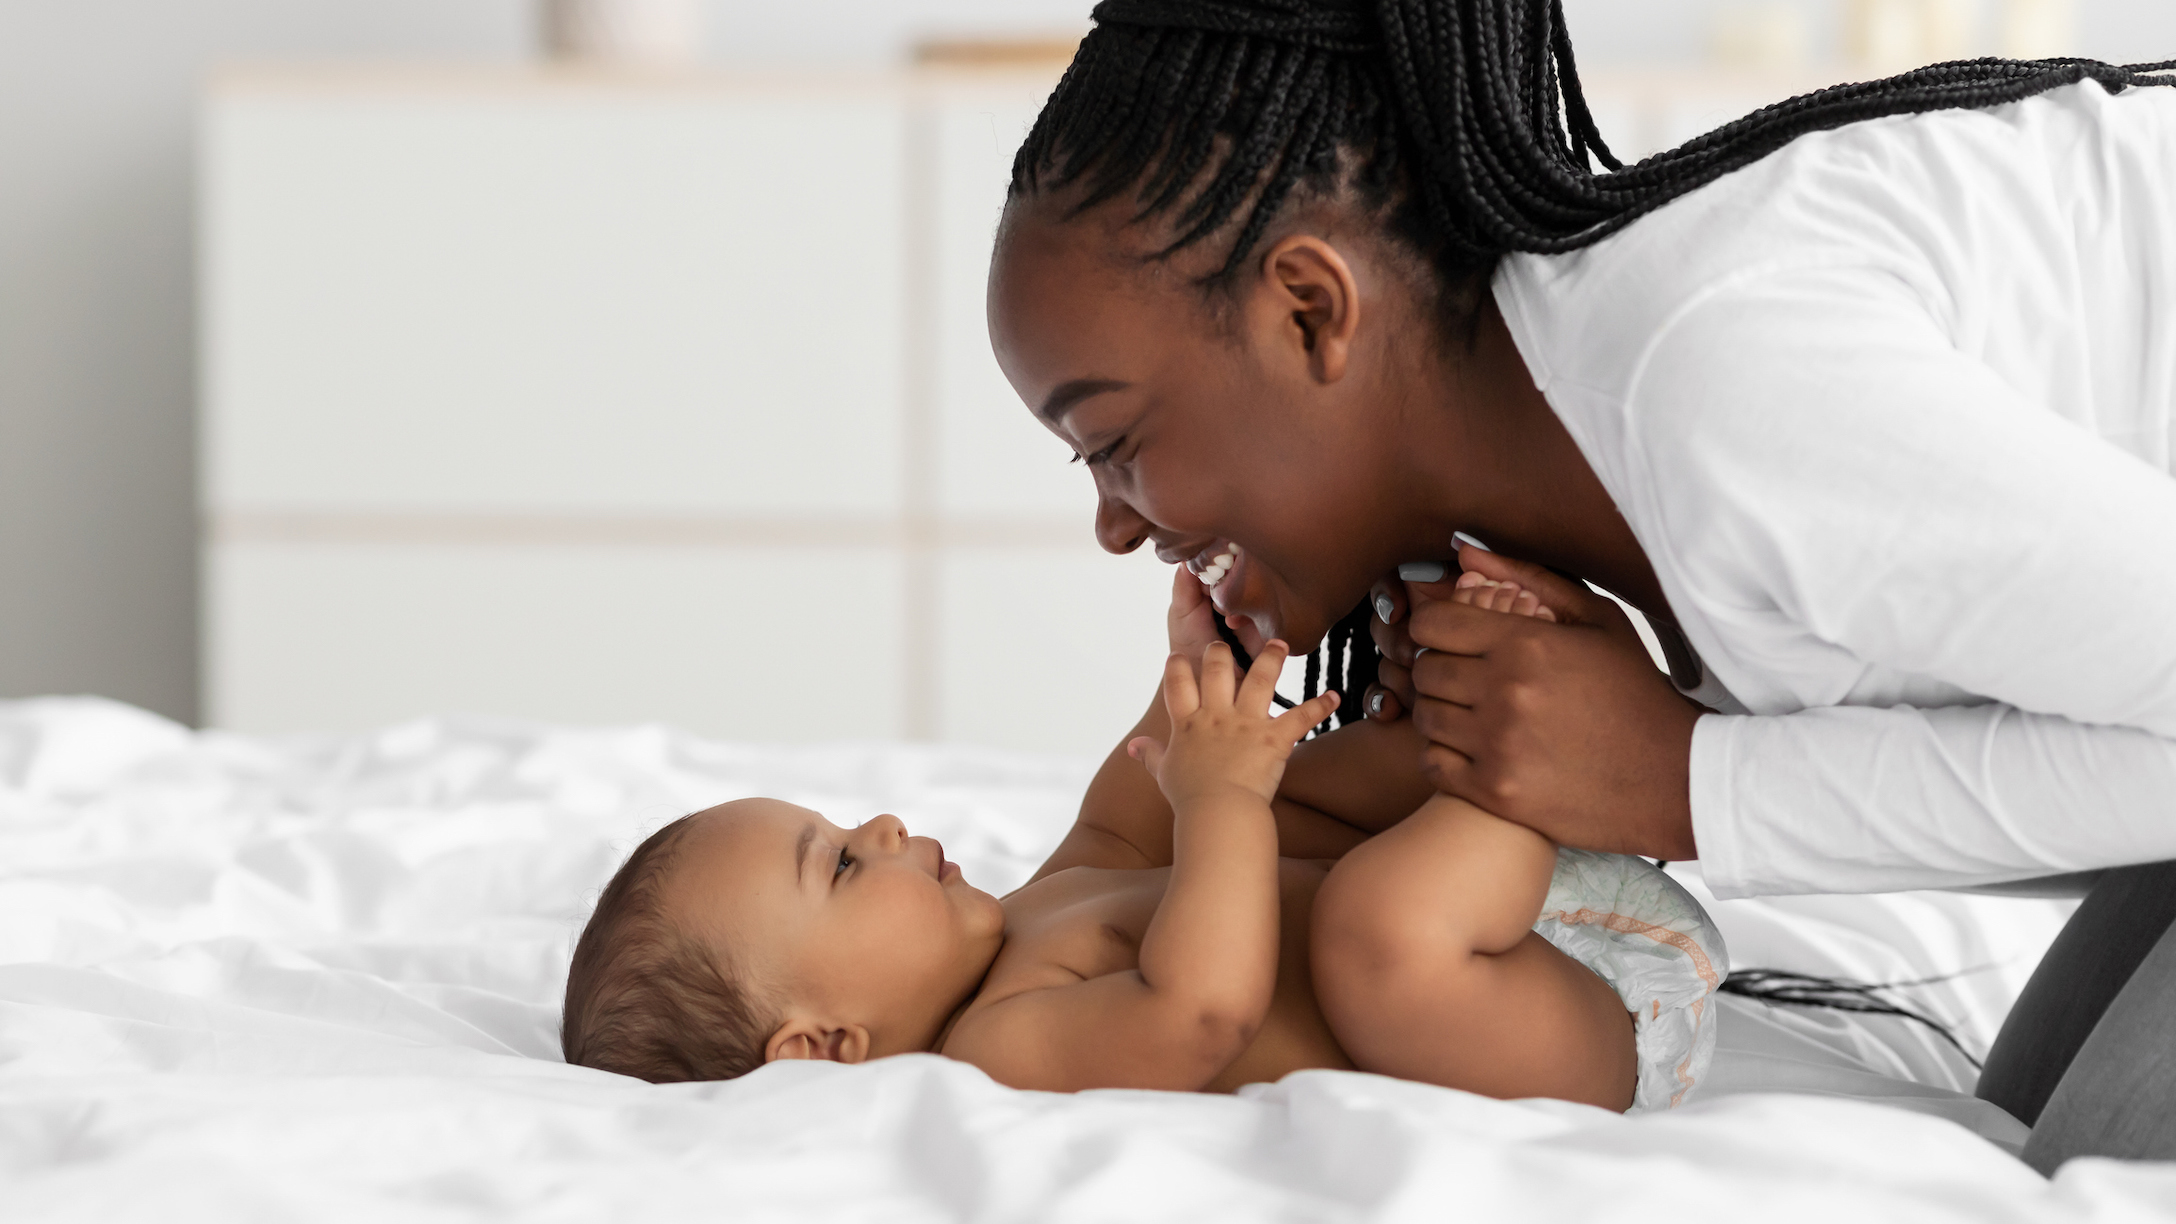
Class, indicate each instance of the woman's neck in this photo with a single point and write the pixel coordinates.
(1515, 479)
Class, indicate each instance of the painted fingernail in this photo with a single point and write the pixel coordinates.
(1469, 541)
(1422, 571)
(1375, 704)
(1383, 607)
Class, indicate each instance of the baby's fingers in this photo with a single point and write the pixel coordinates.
(1182, 696)
(1217, 671)
(1150, 753)
(1296, 722)
(1261, 682)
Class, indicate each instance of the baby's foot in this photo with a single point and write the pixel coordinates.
(1493, 596)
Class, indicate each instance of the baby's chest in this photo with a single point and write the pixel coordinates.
(1086, 932)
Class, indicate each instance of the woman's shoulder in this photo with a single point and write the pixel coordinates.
(1932, 202)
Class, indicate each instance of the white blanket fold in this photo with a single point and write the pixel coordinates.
(318, 978)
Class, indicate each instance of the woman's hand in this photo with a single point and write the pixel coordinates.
(1490, 581)
(1565, 727)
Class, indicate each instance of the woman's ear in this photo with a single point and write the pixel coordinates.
(1316, 300)
(804, 1038)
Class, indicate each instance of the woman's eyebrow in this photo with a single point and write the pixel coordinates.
(1061, 400)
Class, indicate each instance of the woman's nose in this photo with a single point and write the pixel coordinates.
(1118, 528)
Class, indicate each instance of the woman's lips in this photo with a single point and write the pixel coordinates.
(1215, 564)
(1225, 588)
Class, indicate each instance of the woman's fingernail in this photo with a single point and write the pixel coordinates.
(1468, 541)
(1383, 607)
(1422, 571)
(1375, 704)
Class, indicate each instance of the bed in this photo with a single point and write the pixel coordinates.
(317, 977)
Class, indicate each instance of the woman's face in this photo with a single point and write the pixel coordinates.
(1203, 425)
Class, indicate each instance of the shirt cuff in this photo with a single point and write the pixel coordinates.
(1715, 835)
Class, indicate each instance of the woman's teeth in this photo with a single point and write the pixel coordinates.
(1219, 565)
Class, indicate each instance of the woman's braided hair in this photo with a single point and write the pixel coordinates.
(1460, 123)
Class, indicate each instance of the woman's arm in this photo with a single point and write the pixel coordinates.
(1945, 598)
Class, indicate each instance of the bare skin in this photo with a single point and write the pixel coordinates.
(1317, 415)
(1167, 943)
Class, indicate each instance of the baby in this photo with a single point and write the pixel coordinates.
(1166, 944)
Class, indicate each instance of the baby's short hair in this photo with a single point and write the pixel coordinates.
(648, 1000)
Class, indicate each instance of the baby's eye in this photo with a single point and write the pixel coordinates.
(844, 860)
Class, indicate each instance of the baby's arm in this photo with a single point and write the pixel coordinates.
(1207, 965)
(1338, 788)
(1125, 821)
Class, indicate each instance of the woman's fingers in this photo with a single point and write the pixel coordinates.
(1445, 677)
(1397, 680)
(1461, 629)
(1387, 597)
(1570, 600)
(1382, 704)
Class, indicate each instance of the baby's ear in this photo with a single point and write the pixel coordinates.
(800, 1038)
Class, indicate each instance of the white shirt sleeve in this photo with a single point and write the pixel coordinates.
(1828, 468)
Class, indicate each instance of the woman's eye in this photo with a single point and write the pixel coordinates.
(1100, 456)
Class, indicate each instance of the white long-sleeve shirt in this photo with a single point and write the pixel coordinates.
(1893, 414)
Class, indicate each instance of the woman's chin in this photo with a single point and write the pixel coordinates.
(1253, 629)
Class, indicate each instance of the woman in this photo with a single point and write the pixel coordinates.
(1867, 402)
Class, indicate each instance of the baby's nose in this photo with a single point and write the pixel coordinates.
(887, 830)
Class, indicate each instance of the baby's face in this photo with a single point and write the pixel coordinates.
(862, 926)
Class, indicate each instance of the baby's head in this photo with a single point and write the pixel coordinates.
(759, 930)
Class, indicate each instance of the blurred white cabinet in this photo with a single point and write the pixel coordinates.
(603, 399)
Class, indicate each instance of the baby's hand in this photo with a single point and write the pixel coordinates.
(1223, 739)
(1191, 621)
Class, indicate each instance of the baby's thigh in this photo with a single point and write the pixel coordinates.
(1379, 919)
(1422, 975)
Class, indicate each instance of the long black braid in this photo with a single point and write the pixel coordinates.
(1467, 113)
(1461, 124)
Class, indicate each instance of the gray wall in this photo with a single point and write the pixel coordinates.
(97, 532)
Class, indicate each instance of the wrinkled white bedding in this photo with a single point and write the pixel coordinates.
(244, 978)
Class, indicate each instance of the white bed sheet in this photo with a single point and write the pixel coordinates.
(317, 978)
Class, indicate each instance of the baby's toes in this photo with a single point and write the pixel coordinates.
(1505, 597)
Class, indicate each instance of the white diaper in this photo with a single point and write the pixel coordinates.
(1627, 920)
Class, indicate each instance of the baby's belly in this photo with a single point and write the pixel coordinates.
(1294, 1036)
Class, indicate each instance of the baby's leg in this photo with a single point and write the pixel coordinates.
(1427, 966)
